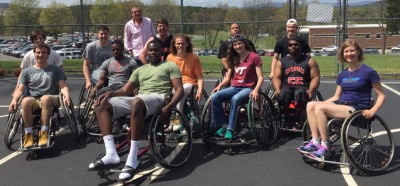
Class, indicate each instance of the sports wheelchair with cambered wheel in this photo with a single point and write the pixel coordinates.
(365, 144)
(15, 126)
(255, 123)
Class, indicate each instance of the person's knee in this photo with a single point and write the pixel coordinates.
(104, 106)
(137, 107)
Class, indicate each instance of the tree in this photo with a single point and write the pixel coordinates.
(101, 12)
(55, 17)
(166, 9)
(393, 11)
(21, 12)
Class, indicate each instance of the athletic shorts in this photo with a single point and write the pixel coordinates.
(38, 102)
(296, 93)
(122, 105)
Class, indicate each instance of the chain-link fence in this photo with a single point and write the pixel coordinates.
(372, 23)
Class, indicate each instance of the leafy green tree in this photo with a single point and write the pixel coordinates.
(166, 9)
(55, 17)
(21, 12)
(393, 12)
(102, 12)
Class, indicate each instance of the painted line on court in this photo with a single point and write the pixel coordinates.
(391, 89)
(346, 170)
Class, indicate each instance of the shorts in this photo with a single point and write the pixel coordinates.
(122, 105)
(293, 93)
(353, 105)
(38, 102)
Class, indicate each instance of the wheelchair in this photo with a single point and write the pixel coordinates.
(15, 126)
(365, 144)
(192, 109)
(255, 123)
(290, 125)
(170, 149)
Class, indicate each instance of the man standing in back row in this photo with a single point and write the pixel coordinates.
(137, 32)
(281, 46)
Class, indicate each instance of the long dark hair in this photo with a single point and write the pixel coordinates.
(233, 57)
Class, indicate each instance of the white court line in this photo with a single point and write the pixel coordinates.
(346, 170)
(391, 89)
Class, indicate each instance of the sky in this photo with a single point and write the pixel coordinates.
(206, 3)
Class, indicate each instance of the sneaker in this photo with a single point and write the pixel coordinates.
(43, 138)
(228, 134)
(221, 131)
(320, 153)
(28, 141)
(307, 149)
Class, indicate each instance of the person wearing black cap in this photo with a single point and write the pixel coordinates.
(281, 48)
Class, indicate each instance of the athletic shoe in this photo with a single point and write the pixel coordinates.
(228, 134)
(320, 153)
(221, 131)
(28, 141)
(307, 149)
(43, 138)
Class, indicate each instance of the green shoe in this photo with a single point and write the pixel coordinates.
(228, 134)
(221, 131)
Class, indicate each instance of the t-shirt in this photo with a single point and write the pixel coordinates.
(29, 59)
(42, 81)
(165, 45)
(155, 78)
(189, 66)
(296, 72)
(357, 85)
(281, 47)
(118, 71)
(245, 75)
(97, 54)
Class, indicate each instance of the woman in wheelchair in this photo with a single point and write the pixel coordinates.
(43, 81)
(246, 78)
(190, 66)
(353, 92)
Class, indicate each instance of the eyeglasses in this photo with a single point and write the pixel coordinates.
(293, 44)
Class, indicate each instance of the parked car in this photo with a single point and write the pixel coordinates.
(261, 52)
(328, 53)
(371, 51)
(330, 48)
(269, 53)
(316, 53)
(395, 49)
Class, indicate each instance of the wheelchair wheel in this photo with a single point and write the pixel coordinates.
(171, 149)
(83, 98)
(317, 96)
(263, 121)
(70, 115)
(193, 108)
(368, 143)
(13, 122)
(270, 90)
(334, 129)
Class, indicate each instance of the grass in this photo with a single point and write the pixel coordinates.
(386, 65)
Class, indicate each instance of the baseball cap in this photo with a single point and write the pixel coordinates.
(291, 22)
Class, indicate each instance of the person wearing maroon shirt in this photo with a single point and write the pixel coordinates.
(245, 77)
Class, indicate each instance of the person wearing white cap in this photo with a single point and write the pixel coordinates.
(281, 46)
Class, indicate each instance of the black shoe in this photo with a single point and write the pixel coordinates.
(99, 165)
(130, 170)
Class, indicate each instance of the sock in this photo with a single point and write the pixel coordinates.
(44, 127)
(111, 156)
(315, 142)
(28, 130)
(132, 158)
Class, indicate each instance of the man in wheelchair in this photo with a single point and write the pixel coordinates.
(156, 81)
(43, 82)
(296, 78)
(353, 92)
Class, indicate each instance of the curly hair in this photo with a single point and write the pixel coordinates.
(189, 48)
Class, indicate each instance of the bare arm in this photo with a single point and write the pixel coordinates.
(99, 84)
(225, 63)
(143, 53)
(17, 94)
(65, 92)
(225, 81)
(315, 76)
(260, 81)
(336, 96)
(379, 100)
(86, 72)
(277, 81)
(275, 60)
(200, 85)
(126, 90)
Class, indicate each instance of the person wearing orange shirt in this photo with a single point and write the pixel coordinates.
(189, 64)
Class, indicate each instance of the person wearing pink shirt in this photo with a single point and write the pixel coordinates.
(136, 33)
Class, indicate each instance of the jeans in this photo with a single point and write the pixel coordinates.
(237, 95)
